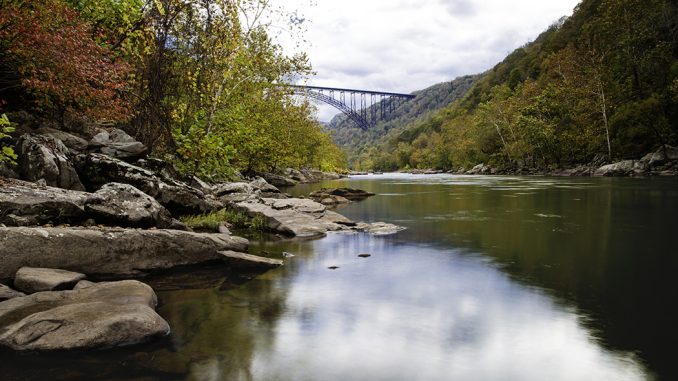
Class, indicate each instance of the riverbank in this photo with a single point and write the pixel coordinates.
(661, 163)
(93, 207)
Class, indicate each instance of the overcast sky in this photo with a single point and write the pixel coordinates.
(408, 45)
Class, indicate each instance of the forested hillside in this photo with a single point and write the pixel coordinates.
(601, 82)
(359, 144)
(194, 80)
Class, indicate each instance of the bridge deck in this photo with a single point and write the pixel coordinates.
(408, 96)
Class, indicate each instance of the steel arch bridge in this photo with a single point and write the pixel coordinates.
(363, 107)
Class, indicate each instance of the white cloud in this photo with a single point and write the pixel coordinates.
(407, 45)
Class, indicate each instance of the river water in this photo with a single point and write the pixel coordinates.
(495, 278)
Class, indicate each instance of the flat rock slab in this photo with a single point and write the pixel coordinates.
(244, 260)
(31, 279)
(104, 315)
(378, 228)
(117, 252)
(7, 293)
(296, 217)
(25, 203)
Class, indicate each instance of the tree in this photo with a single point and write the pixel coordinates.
(51, 60)
(7, 153)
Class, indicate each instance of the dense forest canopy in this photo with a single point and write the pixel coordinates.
(194, 79)
(601, 82)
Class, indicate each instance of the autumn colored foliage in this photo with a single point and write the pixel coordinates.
(49, 58)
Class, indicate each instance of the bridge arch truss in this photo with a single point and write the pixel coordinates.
(363, 107)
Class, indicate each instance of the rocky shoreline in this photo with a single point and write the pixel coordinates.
(661, 163)
(85, 207)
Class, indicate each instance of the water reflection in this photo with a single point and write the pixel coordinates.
(496, 278)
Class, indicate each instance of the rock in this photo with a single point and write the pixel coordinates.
(74, 143)
(8, 170)
(197, 183)
(7, 293)
(297, 217)
(261, 185)
(223, 229)
(334, 196)
(118, 144)
(125, 205)
(176, 196)
(378, 228)
(364, 255)
(31, 279)
(231, 188)
(661, 156)
(104, 315)
(333, 267)
(110, 252)
(622, 168)
(251, 261)
(46, 158)
(480, 169)
(278, 180)
(24, 203)
(83, 284)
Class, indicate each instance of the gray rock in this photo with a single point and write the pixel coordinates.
(125, 205)
(104, 315)
(263, 186)
(231, 188)
(297, 217)
(23, 203)
(8, 170)
(278, 180)
(32, 279)
(7, 293)
(622, 168)
(661, 156)
(116, 252)
(480, 169)
(46, 158)
(74, 143)
(378, 228)
(333, 196)
(118, 144)
(251, 261)
(176, 196)
(83, 284)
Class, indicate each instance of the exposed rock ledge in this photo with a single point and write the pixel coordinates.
(116, 252)
(102, 315)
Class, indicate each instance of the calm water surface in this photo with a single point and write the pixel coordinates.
(495, 278)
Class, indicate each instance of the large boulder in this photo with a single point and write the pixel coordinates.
(7, 293)
(75, 143)
(46, 158)
(24, 204)
(110, 252)
(32, 279)
(118, 144)
(661, 156)
(334, 196)
(125, 205)
(622, 168)
(104, 315)
(296, 217)
(176, 196)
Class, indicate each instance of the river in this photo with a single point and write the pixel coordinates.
(495, 278)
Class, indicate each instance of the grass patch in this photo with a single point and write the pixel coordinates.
(237, 219)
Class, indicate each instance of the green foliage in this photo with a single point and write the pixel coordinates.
(604, 81)
(237, 219)
(6, 153)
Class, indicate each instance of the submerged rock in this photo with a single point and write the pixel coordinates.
(112, 252)
(31, 279)
(378, 228)
(104, 315)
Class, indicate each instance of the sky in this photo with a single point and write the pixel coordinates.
(408, 45)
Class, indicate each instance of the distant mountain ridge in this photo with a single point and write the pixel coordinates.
(428, 101)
